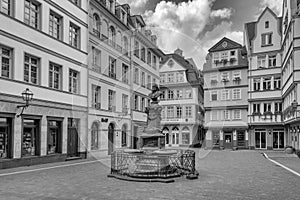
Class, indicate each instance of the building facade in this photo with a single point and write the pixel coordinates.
(225, 92)
(290, 66)
(182, 101)
(124, 63)
(109, 77)
(43, 48)
(263, 43)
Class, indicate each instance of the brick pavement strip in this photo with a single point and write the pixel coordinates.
(223, 175)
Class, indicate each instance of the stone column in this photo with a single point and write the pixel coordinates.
(17, 137)
(43, 136)
(234, 139)
(64, 135)
(221, 133)
(246, 139)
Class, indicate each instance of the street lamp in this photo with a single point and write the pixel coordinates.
(27, 97)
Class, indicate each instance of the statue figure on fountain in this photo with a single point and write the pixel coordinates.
(152, 136)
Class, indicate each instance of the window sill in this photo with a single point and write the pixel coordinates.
(266, 45)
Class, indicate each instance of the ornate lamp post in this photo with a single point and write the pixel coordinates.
(27, 97)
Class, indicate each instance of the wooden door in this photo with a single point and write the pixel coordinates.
(228, 140)
(111, 132)
(72, 142)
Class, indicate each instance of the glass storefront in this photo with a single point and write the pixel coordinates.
(30, 140)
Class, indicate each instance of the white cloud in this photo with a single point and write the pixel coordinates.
(136, 6)
(178, 26)
(222, 13)
(275, 5)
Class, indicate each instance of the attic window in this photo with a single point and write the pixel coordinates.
(267, 24)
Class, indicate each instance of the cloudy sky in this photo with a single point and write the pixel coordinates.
(196, 25)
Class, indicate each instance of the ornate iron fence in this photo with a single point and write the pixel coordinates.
(152, 165)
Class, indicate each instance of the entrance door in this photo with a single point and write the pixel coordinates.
(3, 142)
(228, 140)
(111, 133)
(260, 140)
(278, 139)
(72, 142)
(175, 136)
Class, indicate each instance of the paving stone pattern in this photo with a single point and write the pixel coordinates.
(223, 175)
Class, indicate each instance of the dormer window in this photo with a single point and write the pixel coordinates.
(267, 24)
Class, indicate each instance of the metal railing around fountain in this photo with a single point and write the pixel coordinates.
(151, 165)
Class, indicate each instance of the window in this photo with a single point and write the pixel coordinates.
(170, 94)
(216, 57)
(232, 53)
(277, 83)
(188, 94)
(261, 62)
(125, 73)
(154, 62)
(236, 94)
(185, 135)
(5, 6)
(95, 136)
(96, 99)
(224, 55)
(170, 77)
(30, 137)
(179, 94)
(162, 78)
(236, 75)
(73, 81)
(55, 25)
(136, 102)
(266, 39)
(125, 45)
(214, 79)
(143, 81)
(178, 111)
(55, 76)
(74, 35)
(96, 25)
(236, 114)
(226, 114)
(278, 107)
(112, 36)
(267, 107)
(143, 54)
(188, 111)
(149, 82)
(136, 49)
(225, 95)
(225, 76)
(142, 104)
(96, 59)
(256, 108)
(5, 62)
(124, 103)
(77, 2)
(214, 96)
(256, 84)
(54, 137)
(124, 136)
(149, 58)
(267, 24)
(170, 112)
(32, 14)
(136, 76)
(267, 83)
(179, 77)
(31, 69)
(216, 138)
(214, 115)
(112, 68)
(272, 61)
(111, 100)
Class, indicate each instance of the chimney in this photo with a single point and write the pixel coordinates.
(179, 52)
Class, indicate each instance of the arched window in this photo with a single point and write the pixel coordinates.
(125, 45)
(95, 136)
(124, 135)
(175, 135)
(96, 25)
(104, 28)
(112, 36)
(165, 131)
(185, 135)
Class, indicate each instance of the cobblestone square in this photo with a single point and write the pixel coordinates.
(223, 175)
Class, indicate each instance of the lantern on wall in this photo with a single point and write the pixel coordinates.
(27, 97)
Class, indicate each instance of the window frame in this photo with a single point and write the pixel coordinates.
(54, 72)
(74, 35)
(30, 65)
(4, 65)
(72, 78)
(37, 21)
(58, 24)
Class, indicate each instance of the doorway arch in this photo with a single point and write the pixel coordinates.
(111, 137)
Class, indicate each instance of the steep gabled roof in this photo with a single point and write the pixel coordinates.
(250, 30)
(183, 62)
(230, 44)
(265, 10)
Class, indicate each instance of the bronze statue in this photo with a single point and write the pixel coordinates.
(156, 93)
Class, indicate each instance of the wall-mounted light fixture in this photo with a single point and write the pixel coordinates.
(27, 97)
